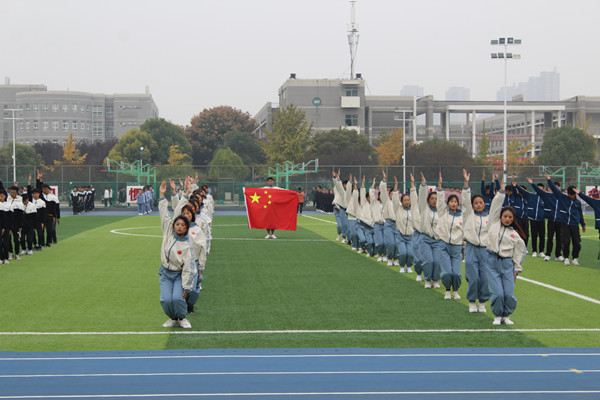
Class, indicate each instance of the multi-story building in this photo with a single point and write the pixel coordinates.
(338, 103)
(545, 87)
(50, 116)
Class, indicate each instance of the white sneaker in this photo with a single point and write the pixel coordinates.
(368, 255)
(184, 323)
(534, 254)
(547, 258)
(390, 263)
(354, 249)
(5, 261)
(436, 284)
(361, 250)
(448, 295)
(17, 257)
(561, 258)
(507, 321)
(268, 237)
(337, 239)
(497, 321)
(11, 256)
(542, 254)
(171, 323)
(343, 241)
(575, 261)
(384, 259)
(419, 278)
(30, 252)
(427, 284)
(567, 262)
(23, 252)
(379, 259)
(409, 270)
(402, 270)
(455, 295)
(396, 263)
(273, 237)
(472, 307)
(481, 307)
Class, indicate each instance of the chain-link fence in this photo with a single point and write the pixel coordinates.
(227, 182)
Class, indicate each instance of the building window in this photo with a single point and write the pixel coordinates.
(55, 126)
(27, 125)
(352, 91)
(36, 107)
(97, 112)
(55, 141)
(65, 108)
(82, 108)
(27, 107)
(74, 126)
(54, 107)
(35, 125)
(74, 107)
(97, 132)
(45, 126)
(44, 107)
(65, 126)
(351, 119)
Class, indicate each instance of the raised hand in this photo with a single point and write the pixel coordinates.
(423, 181)
(173, 187)
(440, 181)
(467, 176)
(512, 181)
(384, 175)
(530, 180)
(483, 175)
(162, 189)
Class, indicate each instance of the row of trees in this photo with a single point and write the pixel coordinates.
(224, 136)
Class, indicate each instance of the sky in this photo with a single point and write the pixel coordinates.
(198, 54)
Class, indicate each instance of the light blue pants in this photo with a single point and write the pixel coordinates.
(476, 258)
(389, 239)
(405, 250)
(171, 293)
(501, 281)
(343, 222)
(450, 261)
(193, 296)
(379, 244)
(416, 240)
(430, 251)
(369, 233)
(352, 235)
(140, 208)
(338, 222)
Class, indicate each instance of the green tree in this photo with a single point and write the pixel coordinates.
(229, 165)
(207, 130)
(128, 147)
(246, 146)
(97, 151)
(24, 155)
(166, 134)
(567, 146)
(71, 155)
(342, 147)
(290, 138)
(484, 149)
(176, 157)
(50, 151)
(432, 155)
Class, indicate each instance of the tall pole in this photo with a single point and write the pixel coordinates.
(14, 154)
(505, 136)
(403, 152)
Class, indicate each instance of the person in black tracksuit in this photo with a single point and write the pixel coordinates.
(551, 213)
(16, 221)
(27, 230)
(38, 227)
(536, 214)
(4, 227)
(52, 210)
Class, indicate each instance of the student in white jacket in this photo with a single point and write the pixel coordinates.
(429, 246)
(378, 222)
(476, 220)
(416, 237)
(404, 224)
(389, 227)
(451, 234)
(507, 251)
(365, 229)
(339, 206)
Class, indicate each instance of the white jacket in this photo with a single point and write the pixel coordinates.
(196, 231)
(386, 202)
(339, 193)
(429, 215)
(450, 225)
(504, 241)
(476, 224)
(376, 208)
(405, 216)
(364, 213)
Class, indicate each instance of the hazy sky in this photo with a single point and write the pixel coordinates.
(197, 54)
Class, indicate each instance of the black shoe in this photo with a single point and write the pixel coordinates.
(191, 309)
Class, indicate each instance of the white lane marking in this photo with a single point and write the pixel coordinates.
(322, 220)
(540, 371)
(297, 331)
(591, 300)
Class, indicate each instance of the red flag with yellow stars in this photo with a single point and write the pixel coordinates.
(271, 208)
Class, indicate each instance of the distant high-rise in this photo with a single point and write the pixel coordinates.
(545, 87)
(456, 93)
(412, 90)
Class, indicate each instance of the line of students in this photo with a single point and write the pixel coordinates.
(145, 200)
(187, 237)
(83, 198)
(427, 231)
(27, 219)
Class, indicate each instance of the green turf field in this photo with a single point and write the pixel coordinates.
(103, 286)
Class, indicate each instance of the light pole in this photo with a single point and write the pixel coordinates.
(14, 154)
(508, 41)
(404, 119)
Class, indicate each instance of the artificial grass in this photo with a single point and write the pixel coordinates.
(98, 281)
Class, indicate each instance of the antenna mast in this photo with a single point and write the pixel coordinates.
(352, 37)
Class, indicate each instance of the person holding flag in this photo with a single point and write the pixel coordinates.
(271, 208)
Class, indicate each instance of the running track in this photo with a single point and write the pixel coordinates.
(305, 374)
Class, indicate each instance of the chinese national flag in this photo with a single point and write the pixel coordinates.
(271, 208)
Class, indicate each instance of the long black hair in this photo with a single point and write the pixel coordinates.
(515, 225)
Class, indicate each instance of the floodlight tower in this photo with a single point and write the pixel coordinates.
(352, 37)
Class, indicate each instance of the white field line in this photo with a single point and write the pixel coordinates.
(301, 331)
(319, 219)
(580, 296)
(374, 372)
(280, 394)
